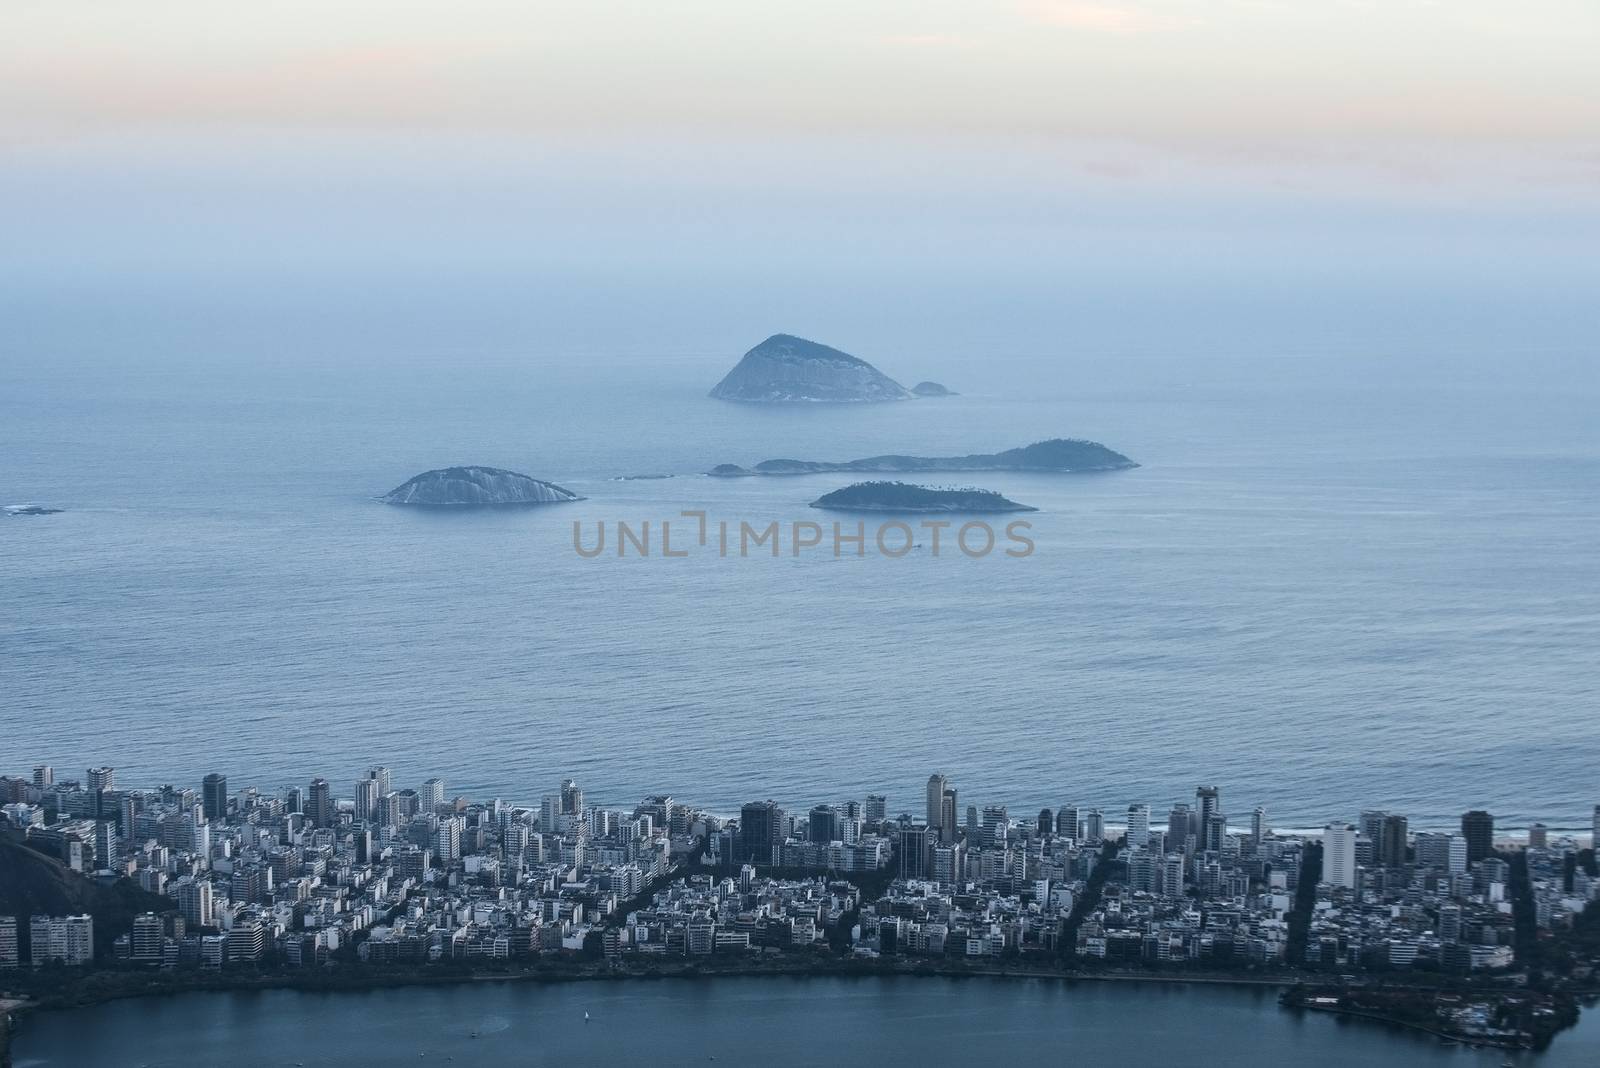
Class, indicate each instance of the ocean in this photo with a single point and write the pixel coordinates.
(1336, 582)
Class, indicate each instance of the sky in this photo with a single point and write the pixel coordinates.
(676, 176)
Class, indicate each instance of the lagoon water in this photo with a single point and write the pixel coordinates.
(769, 1021)
(1335, 583)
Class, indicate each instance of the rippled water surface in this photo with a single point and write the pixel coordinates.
(1324, 589)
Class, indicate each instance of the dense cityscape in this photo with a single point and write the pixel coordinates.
(382, 877)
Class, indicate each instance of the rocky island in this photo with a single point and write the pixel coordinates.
(931, 389)
(902, 497)
(476, 487)
(785, 369)
(1058, 455)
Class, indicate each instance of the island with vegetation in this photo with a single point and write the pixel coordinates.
(476, 487)
(931, 389)
(1055, 456)
(785, 369)
(903, 497)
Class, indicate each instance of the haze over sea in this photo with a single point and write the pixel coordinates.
(1349, 574)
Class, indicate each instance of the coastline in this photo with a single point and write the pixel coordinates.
(355, 979)
(358, 980)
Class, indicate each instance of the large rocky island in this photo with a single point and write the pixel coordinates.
(902, 497)
(476, 487)
(1058, 455)
(785, 369)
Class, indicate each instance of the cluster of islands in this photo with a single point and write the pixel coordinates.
(782, 370)
(478, 486)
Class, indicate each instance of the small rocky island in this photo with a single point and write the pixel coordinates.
(902, 497)
(931, 389)
(1058, 455)
(785, 369)
(476, 487)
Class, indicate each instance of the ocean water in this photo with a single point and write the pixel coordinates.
(774, 1021)
(1337, 581)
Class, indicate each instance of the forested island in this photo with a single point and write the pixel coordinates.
(785, 369)
(904, 497)
(476, 487)
(1056, 455)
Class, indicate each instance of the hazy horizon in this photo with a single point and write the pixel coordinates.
(1036, 178)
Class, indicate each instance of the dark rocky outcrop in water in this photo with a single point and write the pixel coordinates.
(788, 370)
(476, 487)
(1058, 455)
(30, 509)
(931, 389)
(902, 497)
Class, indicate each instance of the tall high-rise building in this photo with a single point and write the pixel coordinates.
(1180, 827)
(44, 775)
(760, 832)
(1046, 823)
(105, 844)
(1094, 825)
(102, 780)
(877, 809)
(1477, 827)
(1450, 923)
(1370, 826)
(823, 824)
(319, 805)
(947, 816)
(571, 798)
(214, 796)
(1069, 822)
(950, 863)
(367, 799)
(447, 839)
(1339, 855)
(1440, 851)
(937, 784)
(1259, 828)
(370, 790)
(145, 942)
(1213, 832)
(10, 952)
(974, 824)
(1392, 841)
(1207, 802)
(915, 851)
(195, 902)
(1138, 825)
(1538, 836)
(996, 821)
(431, 796)
(1594, 830)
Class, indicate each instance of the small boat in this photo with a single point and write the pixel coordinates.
(585, 1015)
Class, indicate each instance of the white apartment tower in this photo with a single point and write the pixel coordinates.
(1339, 855)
